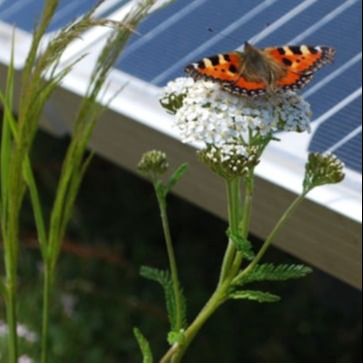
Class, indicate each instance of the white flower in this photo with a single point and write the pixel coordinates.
(208, 115)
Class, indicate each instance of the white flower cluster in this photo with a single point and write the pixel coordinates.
(208, 115)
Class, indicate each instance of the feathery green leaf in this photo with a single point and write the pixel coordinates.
(165, 280)
(271, 272)
(144, 346)
(259, 296)
(243, 245)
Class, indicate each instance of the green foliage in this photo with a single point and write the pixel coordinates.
(259, 296)
(165, 280)
(144, 346)
(242, 244)
(271, 272)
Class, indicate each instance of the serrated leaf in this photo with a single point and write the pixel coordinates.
(259, 296)
(243, 245)
(165, 280)
(177, 175)
(271, 272)
(144, 347)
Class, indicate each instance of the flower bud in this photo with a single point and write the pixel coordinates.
(322, 169)
(153, 164)
(235, 162)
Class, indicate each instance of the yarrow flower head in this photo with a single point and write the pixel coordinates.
(153, 164)
(230, 163)
(323, 169)
(224, 125)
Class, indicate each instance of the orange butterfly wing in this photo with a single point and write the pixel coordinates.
(300, 63)
(225, 69)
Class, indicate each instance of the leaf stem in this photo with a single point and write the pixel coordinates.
(171, 254)
(234, 205)
(177, 352)
(246, 219)
(11, 315)
(272, 235)
(47, 289)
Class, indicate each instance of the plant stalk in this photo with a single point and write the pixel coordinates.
(171, 256)
(176, 353)
(11, 315)
(234, 205)
(272, 235)
(47, 292)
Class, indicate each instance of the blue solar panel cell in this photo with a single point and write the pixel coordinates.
(351, 153)
(340, 87)
(25, 13)
(339, 134)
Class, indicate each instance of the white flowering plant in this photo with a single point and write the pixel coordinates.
(230, 133)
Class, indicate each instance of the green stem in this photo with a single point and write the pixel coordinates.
(47, 290)
(272, 235)
(172, 259)
(177, 352)
(245, 227)
(234, 205)
(11, 315)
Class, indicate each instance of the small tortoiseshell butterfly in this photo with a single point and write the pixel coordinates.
(256, 71)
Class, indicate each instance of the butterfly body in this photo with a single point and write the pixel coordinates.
(257, 71)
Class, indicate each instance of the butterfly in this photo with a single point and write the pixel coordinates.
(256, 71)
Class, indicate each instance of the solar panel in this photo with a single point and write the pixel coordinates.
(179, 34)
(25, 13)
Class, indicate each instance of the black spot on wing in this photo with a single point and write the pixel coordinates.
(281, 50)
(233, 69)
(287, 62)
(296, 50)
(214, 60)
(226, 57)
(202, 65)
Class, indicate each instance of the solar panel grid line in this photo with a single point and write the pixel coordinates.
(282, 21)
(322, 22)
(162, 27)
(341, 105)
(332, 76)
(191, 56)
(345, 139)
